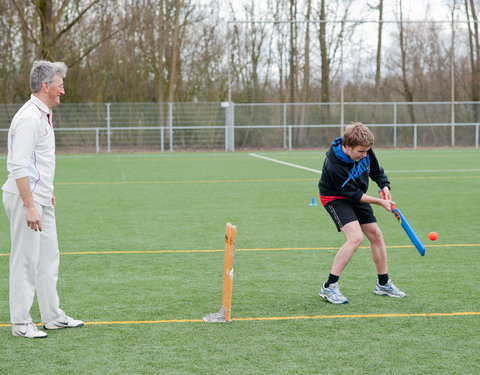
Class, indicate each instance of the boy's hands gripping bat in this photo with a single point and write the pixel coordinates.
(406, 227)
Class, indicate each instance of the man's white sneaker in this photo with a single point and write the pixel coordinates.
(63, 322)
(389, 289)
(28, 330)
(332, 294)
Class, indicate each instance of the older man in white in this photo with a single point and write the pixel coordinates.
(29, 202)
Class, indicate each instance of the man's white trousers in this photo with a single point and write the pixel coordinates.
(34, 261)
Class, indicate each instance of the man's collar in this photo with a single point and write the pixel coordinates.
(41, 105)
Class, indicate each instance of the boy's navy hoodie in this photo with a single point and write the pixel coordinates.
(344, 178)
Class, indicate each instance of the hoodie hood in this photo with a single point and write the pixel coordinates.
(337, 149)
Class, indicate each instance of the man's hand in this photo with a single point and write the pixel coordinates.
(32, 215)
(33, 218)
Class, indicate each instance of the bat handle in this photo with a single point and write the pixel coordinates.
(395, 212)
(382, 195)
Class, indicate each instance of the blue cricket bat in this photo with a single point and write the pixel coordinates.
(409, 231)
(407, 228)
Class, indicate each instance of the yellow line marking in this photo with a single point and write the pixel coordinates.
(149, 321)
(253, 249)
(276, 318)
(187, 182)
(357, 316)
(244, 181)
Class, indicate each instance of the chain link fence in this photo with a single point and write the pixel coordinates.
(158, 127)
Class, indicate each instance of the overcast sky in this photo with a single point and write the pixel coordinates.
(413, 9)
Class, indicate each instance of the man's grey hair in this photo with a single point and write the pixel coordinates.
(45, 71)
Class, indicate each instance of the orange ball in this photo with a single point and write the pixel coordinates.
(433, 236)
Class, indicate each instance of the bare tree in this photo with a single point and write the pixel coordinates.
(331, 38)
(301, 133)
(378, 60)
(306, 55)
(282, 35)
(280, 50)
(407, 90)
(474, 53)
(204, 54)
(293, 51)
(174, 51)
(51, 29)
(322, 35)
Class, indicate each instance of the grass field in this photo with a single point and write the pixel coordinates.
(141, 238)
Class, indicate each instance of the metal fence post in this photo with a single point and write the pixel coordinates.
(109, 149)
(162, 141)
(289, 137)
(453, 135)
(97, 141)
(394, 125)
(229, 126)
(284, 125)
(170, 125)
(232, 127)
(415, 136)
(476, 136)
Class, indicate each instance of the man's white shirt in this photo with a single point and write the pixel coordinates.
(31, 151)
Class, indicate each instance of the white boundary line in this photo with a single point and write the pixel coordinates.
(389, 171)
(286, 163)
(431, 170)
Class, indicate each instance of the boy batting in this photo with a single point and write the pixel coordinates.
(348, 165)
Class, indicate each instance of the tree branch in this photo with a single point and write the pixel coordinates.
(30, 36)
(60, 11)
(71, 24)
(91, 48)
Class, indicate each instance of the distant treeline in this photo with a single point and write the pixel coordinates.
(246, 51)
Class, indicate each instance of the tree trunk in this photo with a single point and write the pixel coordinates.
(293, 50)
(293, 60)
(174, 55)
(407, 91)
(474, 56)
(325, 89)
(45, 13)
(378, 75)
(302, 132)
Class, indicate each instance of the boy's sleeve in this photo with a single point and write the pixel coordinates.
(352, 192)
(377, 173)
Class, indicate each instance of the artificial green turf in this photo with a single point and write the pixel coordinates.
(152, 202)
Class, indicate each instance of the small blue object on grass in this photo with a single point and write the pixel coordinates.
(313, 203)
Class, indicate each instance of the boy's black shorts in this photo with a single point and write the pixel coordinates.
(344, 212)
